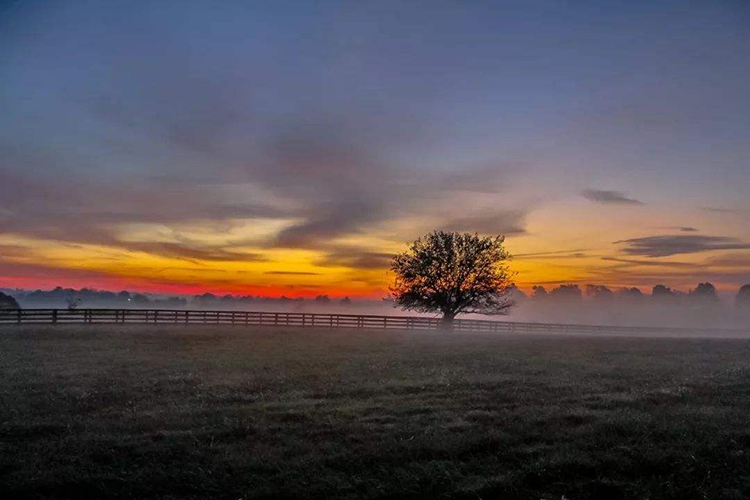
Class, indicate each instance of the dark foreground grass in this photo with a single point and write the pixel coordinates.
(202, 412)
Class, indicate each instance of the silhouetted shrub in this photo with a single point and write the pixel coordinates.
(566, 292)
(8, 302)
(743, 297)
(599, 292)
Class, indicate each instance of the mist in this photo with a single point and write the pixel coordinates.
(701, 307)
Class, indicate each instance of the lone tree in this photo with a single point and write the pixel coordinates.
(453, 273)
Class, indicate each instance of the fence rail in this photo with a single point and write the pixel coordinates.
(257, 318)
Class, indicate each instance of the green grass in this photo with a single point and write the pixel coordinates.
(221, 412)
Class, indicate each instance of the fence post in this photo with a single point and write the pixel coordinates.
(54, 316)
(19, 315)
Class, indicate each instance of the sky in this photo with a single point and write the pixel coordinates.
(290, 148)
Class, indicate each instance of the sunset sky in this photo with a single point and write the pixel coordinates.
(273, 148)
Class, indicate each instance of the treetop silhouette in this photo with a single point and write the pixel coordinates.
(453, 273)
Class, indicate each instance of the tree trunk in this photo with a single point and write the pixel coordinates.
(448, 322)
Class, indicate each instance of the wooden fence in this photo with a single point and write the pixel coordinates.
(305, 320)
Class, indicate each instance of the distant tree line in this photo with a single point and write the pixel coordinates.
(704, 292)
(91, 298)
(87, 297)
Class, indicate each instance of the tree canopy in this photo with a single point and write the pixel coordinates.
(743, 296)
(453, 273)
(7, 302)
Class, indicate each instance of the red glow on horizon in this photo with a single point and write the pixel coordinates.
(116, 284)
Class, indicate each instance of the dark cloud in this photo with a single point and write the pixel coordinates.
(329, 182)
(554, 282)
(663, 246)
(191, 253)
(345, 185)
(87, 210)
(609, 197)
(356, 258)
(551, 256)
(720, 210)
(328, 221)
(164, 130)
(168, 129)
(662, 263)
(684, 229)
(501, 222)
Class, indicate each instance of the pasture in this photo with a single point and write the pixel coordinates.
(173, 412)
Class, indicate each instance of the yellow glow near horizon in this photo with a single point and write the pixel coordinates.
(564, 242)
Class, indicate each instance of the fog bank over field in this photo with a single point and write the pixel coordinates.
(644, 312)
(701, 307)
(698, 308)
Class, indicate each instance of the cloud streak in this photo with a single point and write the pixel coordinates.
(658, 263)
(503, 222)
(684, 229)
(666, 245)
(609, 197)
(192, 253)
(291, 273)
(356, 258)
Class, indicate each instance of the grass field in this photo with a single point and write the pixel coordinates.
(220, 412)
